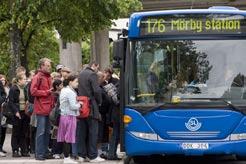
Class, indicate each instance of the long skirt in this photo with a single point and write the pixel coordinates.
(67, 129)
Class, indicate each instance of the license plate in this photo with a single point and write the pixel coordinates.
(202, 146)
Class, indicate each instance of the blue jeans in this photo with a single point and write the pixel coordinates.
(42, 136)
(115, 138)
(76, 149)
(104, 147)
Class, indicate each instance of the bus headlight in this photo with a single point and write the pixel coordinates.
(148, 136)
(127, 119)
(239, 136)
(176, 99)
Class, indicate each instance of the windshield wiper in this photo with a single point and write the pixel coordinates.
(157, 106)
(232, 106)
(153, 108)
(228, 103)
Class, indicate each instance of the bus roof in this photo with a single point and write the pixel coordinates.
(136, 17)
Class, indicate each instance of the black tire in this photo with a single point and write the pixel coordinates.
(142, 159)
(241, 158)
(134, 160)
(128, 160)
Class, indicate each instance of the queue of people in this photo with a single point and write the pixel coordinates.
(44, 94)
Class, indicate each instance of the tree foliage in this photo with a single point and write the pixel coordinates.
(4, 54)
(26, 26)
(43, 44)
(72, 18)
(128, 6)
(24, 20)
(125, 7)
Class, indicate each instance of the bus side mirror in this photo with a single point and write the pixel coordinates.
(118, 52)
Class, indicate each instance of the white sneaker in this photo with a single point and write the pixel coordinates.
(2, 154)
(81, 159)
(69, 160)
(97, 159)
(57, 156)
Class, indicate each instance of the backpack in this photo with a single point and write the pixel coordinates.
(6, 110)
(55, 114)
(111, 90)
(30, 97)
(29, 105)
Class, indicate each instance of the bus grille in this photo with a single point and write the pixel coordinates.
(193, 135)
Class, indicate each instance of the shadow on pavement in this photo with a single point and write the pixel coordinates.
(190, 160)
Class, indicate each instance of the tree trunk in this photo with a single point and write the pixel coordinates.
(15, 41)
(100, 48)
(70, 55)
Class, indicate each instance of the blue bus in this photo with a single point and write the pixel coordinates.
(183, 83)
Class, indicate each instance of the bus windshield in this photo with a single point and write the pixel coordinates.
(162, 70)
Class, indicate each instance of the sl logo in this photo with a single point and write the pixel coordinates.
(193, 124)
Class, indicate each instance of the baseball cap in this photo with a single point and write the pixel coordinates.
(66, 69)
(59, 66)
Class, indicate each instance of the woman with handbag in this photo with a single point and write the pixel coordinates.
(17, 101)
(3, 125)
(4, 90)
(69, 107)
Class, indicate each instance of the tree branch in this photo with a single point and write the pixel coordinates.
(22, 39)
(50, 21)
(5, 17)
(29, 39)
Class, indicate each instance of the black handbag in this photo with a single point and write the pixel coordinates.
(55, 114)
(6, 111)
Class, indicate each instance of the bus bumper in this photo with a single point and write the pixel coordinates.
(137, 146)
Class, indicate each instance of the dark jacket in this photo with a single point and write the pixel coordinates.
(2, 93)
(89, 86)
(14, 102)
(115, 109)
(40, 89)
(106, 102)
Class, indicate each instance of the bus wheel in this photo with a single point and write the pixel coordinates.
(133, 160)
(140, 159)
(128, 160)
(241, 158)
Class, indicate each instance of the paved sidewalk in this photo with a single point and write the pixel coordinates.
(31, 160)
(53, 161)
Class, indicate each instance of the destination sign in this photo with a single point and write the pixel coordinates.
(195, 24)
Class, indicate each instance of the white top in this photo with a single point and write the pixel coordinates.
(68, 102)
